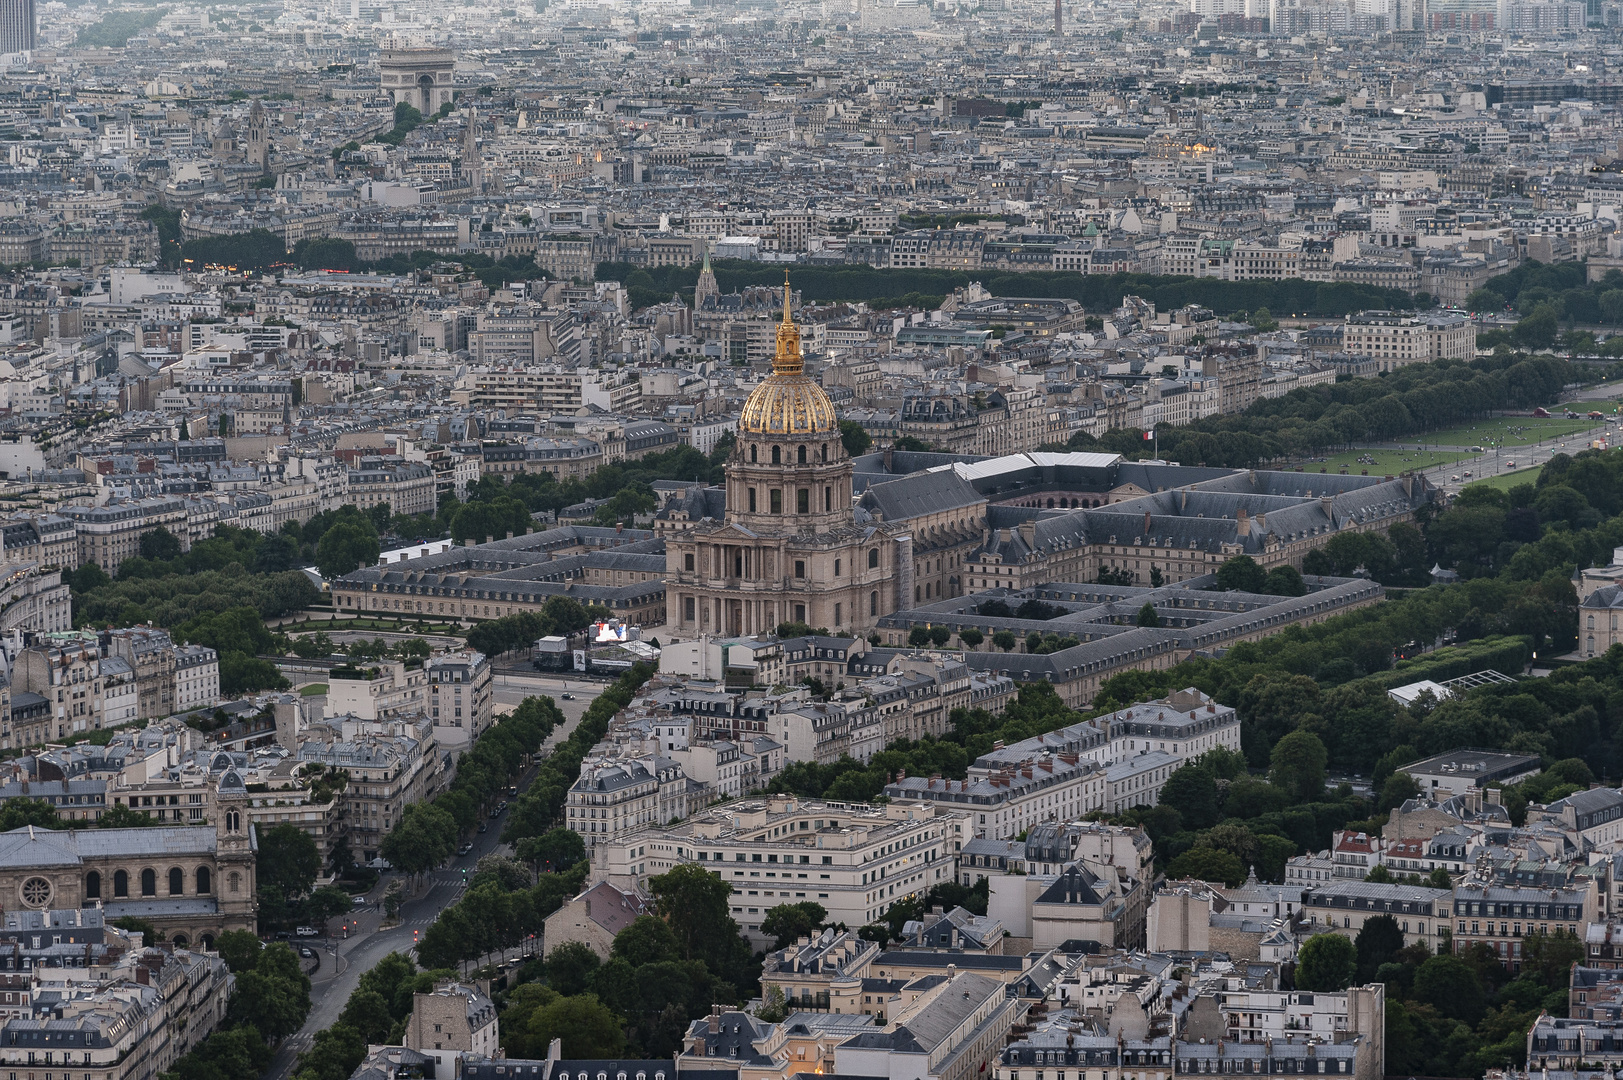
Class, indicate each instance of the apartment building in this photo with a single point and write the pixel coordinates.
(151, 656)
(460, 698)
(450, 1022)
(1341, 907)
(1396, 339)
(197, 678)
(1499, 916)
(1016, 797)
(854, 859)
(385, 690)
(391, 764)
(406, 488)
(66, 672)
(615, 798)
(112, 533)
(953, 1029)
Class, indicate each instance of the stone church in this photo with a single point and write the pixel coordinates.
(190, 882)
(792, 546)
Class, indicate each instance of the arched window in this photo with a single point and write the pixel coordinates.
(752, 454)
(233, 821)
(1591, 625)
(777, 458)
(873, 558)
(234, 881)
(180, 941)
(825, 451)
(801, 456)
(93, 886)
(916, 594)
(873, 603)
(149, 882)
(121, 884)
(828, 499)
(205, 883)
(177, 881)
(207, 941)
(752, 500)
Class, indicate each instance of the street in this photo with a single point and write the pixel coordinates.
(344, 959)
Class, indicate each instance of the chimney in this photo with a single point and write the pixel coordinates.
(1028, 533)
(1242, 522)
(1146, 523)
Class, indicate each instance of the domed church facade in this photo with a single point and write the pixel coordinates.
(792, 547)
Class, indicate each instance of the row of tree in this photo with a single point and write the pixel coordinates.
(1447, 1014)
(428, 832)
(1399, 406)
(269, 1002)
(663, 971)
(375, 1014)
(1096, 292)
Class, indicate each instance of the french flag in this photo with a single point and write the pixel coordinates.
(1150, 434)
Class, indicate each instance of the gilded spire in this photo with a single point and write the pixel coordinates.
(788, 360)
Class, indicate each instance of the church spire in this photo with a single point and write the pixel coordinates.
(788, 360)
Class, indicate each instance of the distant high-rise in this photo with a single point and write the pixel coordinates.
(1059, 19)
(17, 26)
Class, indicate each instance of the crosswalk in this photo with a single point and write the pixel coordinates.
(300, 1041)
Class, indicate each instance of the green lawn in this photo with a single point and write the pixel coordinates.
(315, 689)
(1387, 462)
(1506, 481)
(1513, 430)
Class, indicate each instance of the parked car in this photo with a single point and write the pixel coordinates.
(306, 952)
(307, 931)
(464, 849)
(484, 826)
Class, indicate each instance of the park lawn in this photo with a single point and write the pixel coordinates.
(1514, 430)
(1387, 462)
(1506, 481)
(315, 689)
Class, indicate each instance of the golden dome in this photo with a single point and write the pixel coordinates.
(787, 402)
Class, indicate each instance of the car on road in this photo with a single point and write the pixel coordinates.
(1476, 449)
(567, 696)
(501, 806)
(306, 952)
(464, 849)
(484, 826)
(307, 931)
(1454, 479)
(359, 901)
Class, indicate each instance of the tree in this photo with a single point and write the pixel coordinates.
(1378, 942)
(554, 850)
(789, 923)
(1005, 640)
(239, 949)
(1263, 320)
(1326, 963)
(939, 636)
(588, 1028)
(1147, 615)
(1207, 864)
(1550, 956)
(345, 547)
(1448, 984)
(646, 941)
(971, 637)
(122, 817)
(369, 1015)
(149, 933)
(918, 637)
(695, 904)
(288, 861)
(854, 437)
(160, 545)
(570, 966)
(1284, 581)
(1242, 574)
(1297, 766)
(1192, 791)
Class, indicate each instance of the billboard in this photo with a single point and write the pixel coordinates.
(613, 632)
